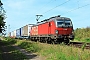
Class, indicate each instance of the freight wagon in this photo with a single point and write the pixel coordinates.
(18, 33)
(11, 34)
(55, 29)
(23, 32)
(14, 33)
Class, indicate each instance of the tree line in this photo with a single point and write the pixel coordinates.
(2, 18)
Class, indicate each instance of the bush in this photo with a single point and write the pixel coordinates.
(31, 47)
(9, 41)
(82, 34)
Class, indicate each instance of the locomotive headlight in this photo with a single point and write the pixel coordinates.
(72, 32)
(56, 31)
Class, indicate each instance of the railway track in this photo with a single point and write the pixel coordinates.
(82, 45)
(77, 44)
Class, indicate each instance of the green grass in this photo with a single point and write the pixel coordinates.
(87, 40)
(29, 46)
(82, 34)
(49, 51)
(14, 53)
(55, 52)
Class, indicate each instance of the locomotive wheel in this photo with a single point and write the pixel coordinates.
(66, 41)
(54, 41)
(31, 39)
(45, 40)
(49, 41)
(59, 41)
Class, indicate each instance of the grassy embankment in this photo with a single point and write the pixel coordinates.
(55, 52)
(49, 51)
(82, 34)
(11, 51)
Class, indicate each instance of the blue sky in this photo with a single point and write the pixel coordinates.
(22, 12)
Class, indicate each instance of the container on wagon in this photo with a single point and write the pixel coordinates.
(18, 33)
(25, 31)
(11, 34)
(14, 33)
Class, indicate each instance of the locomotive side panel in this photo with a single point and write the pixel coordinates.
(43, 29)
(52, 27)
(47, 28)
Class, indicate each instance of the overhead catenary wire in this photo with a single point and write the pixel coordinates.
(45, 5)
(57, 6)
(76, 8)
(67, 11)
(41, 8)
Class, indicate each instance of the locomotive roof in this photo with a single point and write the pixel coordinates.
(52, 18)
(64, 18)
(55, 18)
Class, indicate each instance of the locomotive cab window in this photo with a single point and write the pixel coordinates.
(63, 23)
(67, 23)
(60, 23)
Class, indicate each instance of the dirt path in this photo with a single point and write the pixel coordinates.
(8, 55)
(30, 56)
(5, 53)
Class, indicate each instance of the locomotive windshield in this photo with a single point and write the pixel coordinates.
(64, 23)
(67, 22)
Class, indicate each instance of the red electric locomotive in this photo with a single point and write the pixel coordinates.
(54, 29)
